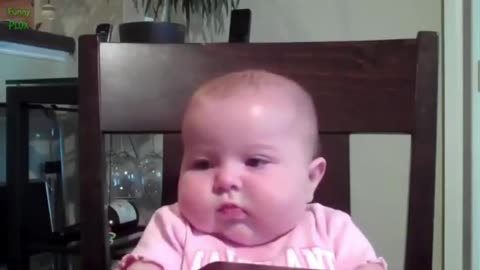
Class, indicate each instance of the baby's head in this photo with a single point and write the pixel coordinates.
(250, 163)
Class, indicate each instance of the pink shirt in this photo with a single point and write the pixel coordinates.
(324, 239)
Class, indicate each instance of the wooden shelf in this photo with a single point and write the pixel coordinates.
(42, 82)
(119, 245)
(37, 39)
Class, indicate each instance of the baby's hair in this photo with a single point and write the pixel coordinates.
(254, 81)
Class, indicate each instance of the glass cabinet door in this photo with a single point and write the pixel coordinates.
(134, 181)
(134, 171)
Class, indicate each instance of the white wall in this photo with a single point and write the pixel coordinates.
(454, 104)
(471, 131)
(475, 131)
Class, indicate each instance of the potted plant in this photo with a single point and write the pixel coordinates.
(162, 29)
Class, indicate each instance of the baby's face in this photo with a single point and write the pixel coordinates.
(245, 171)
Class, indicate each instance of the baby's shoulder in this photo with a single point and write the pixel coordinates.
(327, 219)
(169, 212)
(168, 219)
(326, 213)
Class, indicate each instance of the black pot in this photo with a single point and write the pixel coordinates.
(151, 32)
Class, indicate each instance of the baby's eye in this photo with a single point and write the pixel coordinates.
(255, 162)
(201, 164)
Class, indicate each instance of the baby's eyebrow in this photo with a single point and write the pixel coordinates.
(262, 146)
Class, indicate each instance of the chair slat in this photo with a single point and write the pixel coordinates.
(357, 86)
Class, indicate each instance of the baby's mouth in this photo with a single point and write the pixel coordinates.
(231, 211)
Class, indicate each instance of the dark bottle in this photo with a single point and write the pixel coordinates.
(123, 217)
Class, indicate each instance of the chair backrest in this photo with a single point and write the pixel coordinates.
(384, 86)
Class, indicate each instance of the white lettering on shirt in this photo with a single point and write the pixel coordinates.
(292, 259)
(197, 260)
(327, 256)
(313, 258)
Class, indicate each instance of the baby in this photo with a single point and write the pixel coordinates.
(250, 168)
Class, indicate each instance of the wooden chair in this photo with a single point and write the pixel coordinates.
(385, 86)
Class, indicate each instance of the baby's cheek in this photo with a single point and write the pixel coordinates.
(274, 189)
(193, 199)
(276, 198)
(264, 198)
(190, 190)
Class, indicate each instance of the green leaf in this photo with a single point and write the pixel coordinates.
(210, 10)
(209, 5)
(204, 9)
(156, 9)
(196, 7)
(187, 14)
(147, 6)
(227, 7)
(174, 3)
(184, 9)
(135, 4)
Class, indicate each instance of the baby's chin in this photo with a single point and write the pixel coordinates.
(248, 231)
(245, 240)
(242, 235)
(239, 234)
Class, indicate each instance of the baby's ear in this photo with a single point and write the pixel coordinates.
(316, 171)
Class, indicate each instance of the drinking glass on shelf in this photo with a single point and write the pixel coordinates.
(151, 167)
(125, 179)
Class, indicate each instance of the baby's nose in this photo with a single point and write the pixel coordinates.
(226, 179)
